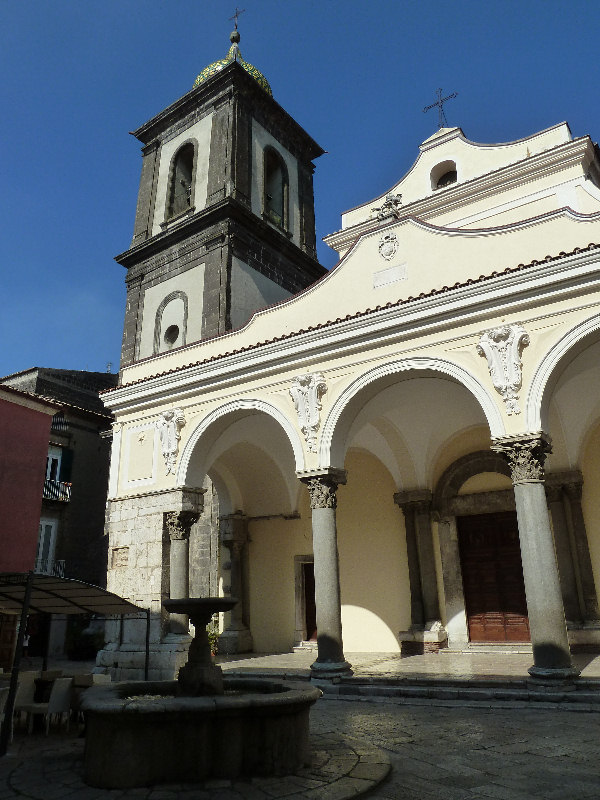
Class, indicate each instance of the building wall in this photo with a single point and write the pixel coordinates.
(81, 541)
(24, 446)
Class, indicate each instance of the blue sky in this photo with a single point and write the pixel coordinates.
(77, 75)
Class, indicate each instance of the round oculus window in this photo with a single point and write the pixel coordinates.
(171, 335)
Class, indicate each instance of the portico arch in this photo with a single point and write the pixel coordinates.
(212, 426)
(549, 370)
(340, 417)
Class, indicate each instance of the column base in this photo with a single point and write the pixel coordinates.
(552, 679)
(329, 670)
(416, 642)
(231, 642)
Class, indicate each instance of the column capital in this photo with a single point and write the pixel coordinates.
(179, 523)
(574, 490)
(322, 487)
(233, 529)
(525, 454)
(418, 500)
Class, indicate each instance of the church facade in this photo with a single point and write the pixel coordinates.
(400, 454)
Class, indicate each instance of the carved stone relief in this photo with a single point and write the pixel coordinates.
(306, 392)
(389, 208)
(388, 246)
(169, 425)
(502, 347)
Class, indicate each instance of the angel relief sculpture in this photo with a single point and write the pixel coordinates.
(502, 347)
(169, 426)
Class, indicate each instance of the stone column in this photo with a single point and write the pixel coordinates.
(454, 596)
(583, 563)
(236, 638)
(330, 661)
(526, 455)
(179, 525)
(564, 556)
(426, 633)
(417, 613)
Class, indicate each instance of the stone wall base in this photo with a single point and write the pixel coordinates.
(231, 642)
(585, 638)
(418, 642)
(127, 661)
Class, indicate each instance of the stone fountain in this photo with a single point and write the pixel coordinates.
(204, 725)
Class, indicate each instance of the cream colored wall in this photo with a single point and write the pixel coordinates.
(273, 545)
(251, 290)
(373, 568)
(374, 582)
(590, 467)
(200, 133)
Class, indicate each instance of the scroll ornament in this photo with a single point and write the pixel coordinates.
(502, 347)
(169, 426)
(306, 392)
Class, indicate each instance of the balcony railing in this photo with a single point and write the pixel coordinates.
(59, 424)
(57, 490)
(48, 566)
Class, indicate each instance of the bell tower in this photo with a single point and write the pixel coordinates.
(225, 213)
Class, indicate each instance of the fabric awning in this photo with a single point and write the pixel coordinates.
(52, 595)
(27, 592)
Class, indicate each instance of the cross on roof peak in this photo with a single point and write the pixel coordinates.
(238, 11)
(439, 104)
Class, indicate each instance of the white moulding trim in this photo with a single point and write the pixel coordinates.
(501, 294)
(330, 449)
(538, 398)
(230, 408)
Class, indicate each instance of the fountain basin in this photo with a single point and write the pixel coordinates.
(140, 733)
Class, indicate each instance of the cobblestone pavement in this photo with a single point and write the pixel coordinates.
(437, 753)
(474, 753)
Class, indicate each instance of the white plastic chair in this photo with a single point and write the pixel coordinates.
(59, 703)
(25, 691)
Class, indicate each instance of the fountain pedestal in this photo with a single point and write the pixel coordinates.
(200, 676)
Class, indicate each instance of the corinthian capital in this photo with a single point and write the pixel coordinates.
(322, 489)
(179, 524)
(525, 455)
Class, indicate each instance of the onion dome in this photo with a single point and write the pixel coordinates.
(234, 54)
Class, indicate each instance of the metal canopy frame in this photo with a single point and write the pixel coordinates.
(25, 592)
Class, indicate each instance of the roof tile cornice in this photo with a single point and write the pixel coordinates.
(349, 317)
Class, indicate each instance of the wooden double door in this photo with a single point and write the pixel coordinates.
(493, 578)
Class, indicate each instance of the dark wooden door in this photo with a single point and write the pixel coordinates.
(310, 609)
(493, 578)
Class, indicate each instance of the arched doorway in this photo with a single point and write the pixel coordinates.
(475, 501)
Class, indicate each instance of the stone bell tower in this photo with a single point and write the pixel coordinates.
(225, 212)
